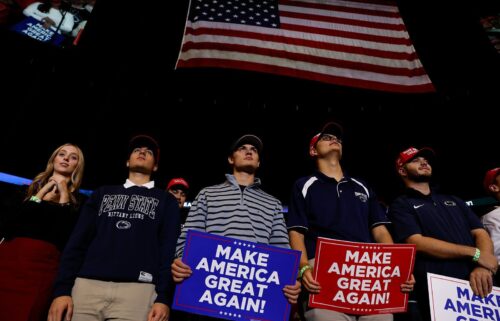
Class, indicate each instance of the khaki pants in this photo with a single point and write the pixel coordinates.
(96, 300)
(329, 315)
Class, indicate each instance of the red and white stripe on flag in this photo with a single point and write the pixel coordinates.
(358, 43)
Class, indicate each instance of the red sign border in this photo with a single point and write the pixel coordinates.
(359, 311)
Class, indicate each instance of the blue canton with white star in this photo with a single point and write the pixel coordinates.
(248, 12)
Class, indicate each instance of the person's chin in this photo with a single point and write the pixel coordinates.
(141, 169)
(250, 169)
(423, 178)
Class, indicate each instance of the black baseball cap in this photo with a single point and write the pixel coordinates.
(250, 140)
(145, 141)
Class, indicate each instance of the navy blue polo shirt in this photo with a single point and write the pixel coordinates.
(439, 216)
(345, 210)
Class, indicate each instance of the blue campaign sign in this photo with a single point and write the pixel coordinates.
(234, 279)
(34, 29)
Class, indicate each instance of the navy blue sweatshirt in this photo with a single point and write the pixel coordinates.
(123, 235)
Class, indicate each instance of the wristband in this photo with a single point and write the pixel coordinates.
(35, 199)
(303, 269)
(476, 256)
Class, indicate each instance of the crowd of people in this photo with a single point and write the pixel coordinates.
(118, 255)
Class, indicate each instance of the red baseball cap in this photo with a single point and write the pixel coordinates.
(178, 182)
(410, 153)
(490, 177)
(329, 128)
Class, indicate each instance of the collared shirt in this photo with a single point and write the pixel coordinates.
(436, 215)
(129, 183)
(249, 214)
(345, 210)
(439, 216)
(125, 233)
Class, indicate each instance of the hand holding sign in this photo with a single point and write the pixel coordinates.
(310, 283)
(408, 286)
(481, 281)
(234, 279)
(180, 270)
(292, 292)
(453, 299)
(362, 278)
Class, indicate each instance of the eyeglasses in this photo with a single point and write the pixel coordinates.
(330, 137)
(143, 150)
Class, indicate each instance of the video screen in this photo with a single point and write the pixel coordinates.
(56, 22)
(491, 25)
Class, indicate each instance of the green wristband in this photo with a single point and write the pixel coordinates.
(303, 269)
(476, 256)
(35, 199)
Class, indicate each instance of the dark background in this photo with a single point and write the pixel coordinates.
(121, 77)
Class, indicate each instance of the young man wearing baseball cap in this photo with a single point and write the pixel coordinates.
(116, 264)
(178, 187)
(450, 239)
(329, 203)
(491, 220)
(238, 208)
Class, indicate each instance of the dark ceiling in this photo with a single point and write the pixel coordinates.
(122, 78)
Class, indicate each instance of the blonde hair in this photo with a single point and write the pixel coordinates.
(76, 177)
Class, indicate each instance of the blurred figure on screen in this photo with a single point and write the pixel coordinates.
(81, 11)
(51, 15)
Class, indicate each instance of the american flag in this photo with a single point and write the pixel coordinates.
(357, 43)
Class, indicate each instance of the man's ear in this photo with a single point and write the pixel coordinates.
(493, 188)
(402, 171)
(313, 152)
(230, 160)
(155, 168)
(128, 164)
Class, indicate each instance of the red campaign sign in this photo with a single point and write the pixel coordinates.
(362, 278)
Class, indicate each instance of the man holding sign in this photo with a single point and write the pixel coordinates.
(333, 205)
(450, 239)
(237, 208)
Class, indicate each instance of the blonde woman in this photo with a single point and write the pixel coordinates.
(36, 233)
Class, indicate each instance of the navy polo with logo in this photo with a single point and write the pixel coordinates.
(345, 210)
(439, 216)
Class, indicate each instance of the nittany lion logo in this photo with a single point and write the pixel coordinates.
(450, 203)
(123, 225)
(362, 197)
